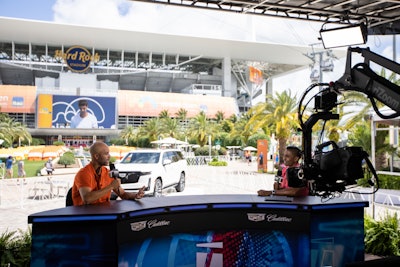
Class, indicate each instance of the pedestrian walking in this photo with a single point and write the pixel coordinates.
(21, 169)
(9, 167)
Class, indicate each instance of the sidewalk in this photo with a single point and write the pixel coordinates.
(19, 192)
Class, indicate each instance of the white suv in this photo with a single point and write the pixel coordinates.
(154, 169)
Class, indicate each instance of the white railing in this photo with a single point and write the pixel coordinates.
(22, 192)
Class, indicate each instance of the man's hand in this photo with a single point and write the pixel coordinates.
(116, 184)
(140, 193)
(264, 193)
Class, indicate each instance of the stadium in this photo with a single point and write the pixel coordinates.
(127, 77)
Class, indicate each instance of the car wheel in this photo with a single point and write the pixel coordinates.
(157, 188)
(181, 185)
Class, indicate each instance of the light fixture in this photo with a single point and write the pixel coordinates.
(351, 34)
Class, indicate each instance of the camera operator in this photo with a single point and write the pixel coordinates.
(93, 183)
(291, 159)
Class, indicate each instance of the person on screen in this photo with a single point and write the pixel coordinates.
(83, 119)
(93, 184)
(291, 159)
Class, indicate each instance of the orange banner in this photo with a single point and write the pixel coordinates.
(262, 152)
(139, 103)
(17, 98)
(45, 111)
(255, 75)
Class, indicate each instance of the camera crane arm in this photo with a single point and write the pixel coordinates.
(331, 172)
(362, 78)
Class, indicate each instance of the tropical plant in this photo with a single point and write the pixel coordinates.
(151, 129)
(12, 131)
(129, 134)
(361, 136)
(278, 113)
(169, 126)
(241, 132)
(219, 116)
(382, 237)
(201, 128)
(15, 248)
(164, 114)
(181, 114)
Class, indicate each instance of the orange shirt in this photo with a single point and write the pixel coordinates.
(86, 177)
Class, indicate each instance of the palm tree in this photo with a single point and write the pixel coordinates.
(151, 129)
(129, 134)
(12, 131)
(200, 128)
(361, 136)
(169, 126)
(219, 116)
(164, 114)
(279, 115)
(241, 131)
(181, 114)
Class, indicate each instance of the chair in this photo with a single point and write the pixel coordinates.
(68, 199)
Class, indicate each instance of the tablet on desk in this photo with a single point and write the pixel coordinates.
(279, 198)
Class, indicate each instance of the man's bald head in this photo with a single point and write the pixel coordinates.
(97, 147)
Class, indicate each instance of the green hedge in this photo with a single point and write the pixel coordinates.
(15, 248)
(385, 181)
(382, 237)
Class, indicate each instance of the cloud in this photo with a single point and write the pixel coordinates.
(157, 18)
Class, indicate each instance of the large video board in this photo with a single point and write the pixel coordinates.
(61, 111)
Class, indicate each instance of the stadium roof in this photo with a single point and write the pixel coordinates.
(39, 32)
(280, 58)
(382, 16)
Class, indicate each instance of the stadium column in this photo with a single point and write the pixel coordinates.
(227, 89)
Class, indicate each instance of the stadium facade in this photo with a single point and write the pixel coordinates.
(126, 77)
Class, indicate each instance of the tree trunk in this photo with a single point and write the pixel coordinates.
(380, 161)
(281, 148)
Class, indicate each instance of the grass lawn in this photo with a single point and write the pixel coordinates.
(31, 167)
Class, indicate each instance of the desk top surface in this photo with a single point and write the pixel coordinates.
(150, 205)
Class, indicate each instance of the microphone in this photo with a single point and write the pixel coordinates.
(113, 173)
(278, 176)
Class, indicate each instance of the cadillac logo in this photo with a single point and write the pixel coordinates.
(138, 226)
(256, 217)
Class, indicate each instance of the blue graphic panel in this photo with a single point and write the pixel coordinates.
(337, 237)
(219, 248)
(65, 107)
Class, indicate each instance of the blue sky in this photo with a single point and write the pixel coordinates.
(27, 9)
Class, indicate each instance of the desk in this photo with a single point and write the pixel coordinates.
(223, 230)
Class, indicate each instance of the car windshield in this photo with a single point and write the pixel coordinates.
(142, 158)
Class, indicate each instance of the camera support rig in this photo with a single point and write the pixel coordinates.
(320, 171)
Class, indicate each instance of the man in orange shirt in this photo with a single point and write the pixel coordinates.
(93, 184)
(291, 159)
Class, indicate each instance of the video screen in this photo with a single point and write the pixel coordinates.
(83, 112)
(221, 248)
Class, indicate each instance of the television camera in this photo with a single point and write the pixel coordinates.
(331, 168)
